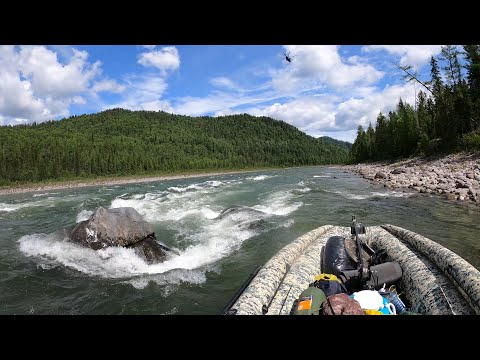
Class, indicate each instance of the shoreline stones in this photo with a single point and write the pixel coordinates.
(455, 177)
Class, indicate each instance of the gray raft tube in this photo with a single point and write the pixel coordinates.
(435, 280)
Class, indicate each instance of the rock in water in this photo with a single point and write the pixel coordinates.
(112, 227)
(150, 250)
(119, 227)
(235, 209)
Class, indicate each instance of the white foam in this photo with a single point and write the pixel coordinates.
(202, 239)
(174, 206)
(349, 195)
(112, 262)
(288, 223)
(37, 195)
(84, 215)
(177, 189)
(356, 197)
(200, 186)
(49, 201)
(259, 177)
(391, 194)
(321, 176)
(215, 241)
(304, 190)
(213, 183)
(175, 277)
(278, 204)
(11, 207)
(370, 195)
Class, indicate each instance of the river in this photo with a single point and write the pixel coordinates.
(41, 272)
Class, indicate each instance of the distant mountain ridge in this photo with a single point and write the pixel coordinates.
(340, 143)
(123, 142)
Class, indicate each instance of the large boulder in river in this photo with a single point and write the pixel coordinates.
(119, 227)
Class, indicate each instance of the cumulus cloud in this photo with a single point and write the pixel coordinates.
(49, 77)
(321, 65)
(108, 85)
(222, 112)
(362, 111)
(320, 93)
(219, 102)
(415, 55)
(332, 114)
(17, 99)
(36, 86)
(164, 59)
(157, 105)
(304, 113)
(144, 93)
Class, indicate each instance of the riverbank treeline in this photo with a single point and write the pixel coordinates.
(123, 142)
(445, 118)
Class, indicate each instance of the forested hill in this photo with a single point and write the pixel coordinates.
(344, 144)
(123, 142)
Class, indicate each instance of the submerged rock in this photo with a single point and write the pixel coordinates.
(235, 209)
(119, 227)
(151, 250)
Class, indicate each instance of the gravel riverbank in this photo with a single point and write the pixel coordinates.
(455, 177)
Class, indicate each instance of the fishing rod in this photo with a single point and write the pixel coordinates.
(266, 307)
(227, 310)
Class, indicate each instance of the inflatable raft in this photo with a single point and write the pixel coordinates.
(433, 280)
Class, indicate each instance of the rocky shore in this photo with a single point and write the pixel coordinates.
(455, 177)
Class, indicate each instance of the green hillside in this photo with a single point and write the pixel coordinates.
(329, 140)
(122, 142)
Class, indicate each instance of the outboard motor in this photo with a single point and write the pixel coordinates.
(334, 257)
(383, 274)
(355, 271)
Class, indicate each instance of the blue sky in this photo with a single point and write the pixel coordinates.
(325, 89)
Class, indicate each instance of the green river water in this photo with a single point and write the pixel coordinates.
(41, 272)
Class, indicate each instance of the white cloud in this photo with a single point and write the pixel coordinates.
(219, 101)
(78, 100)
(415, 55)
(225, 112)
(49, 77)
(108, 85)
(355, 59)
(224, 82)
(165, 59)
(327, 95)
(338, 117)
(157, 105)
(36, 86)
(321, 65)
(305, 113)
(144, 93)
(362, 111)
(17, 99)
